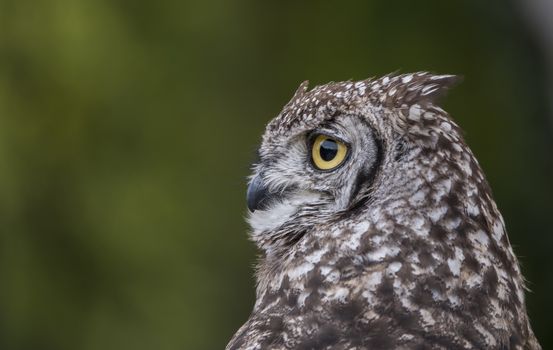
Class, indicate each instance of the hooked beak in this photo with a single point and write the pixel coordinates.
(258, 195)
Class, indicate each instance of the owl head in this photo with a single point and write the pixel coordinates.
(339, 147)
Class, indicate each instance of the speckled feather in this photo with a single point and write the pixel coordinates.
(401, 248)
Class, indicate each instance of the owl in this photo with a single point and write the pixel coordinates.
(377, 228)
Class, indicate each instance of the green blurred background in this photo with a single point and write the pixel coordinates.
(127, 129)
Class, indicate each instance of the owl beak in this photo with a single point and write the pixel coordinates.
(257, 194)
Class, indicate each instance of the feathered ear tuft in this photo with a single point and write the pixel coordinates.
(422, 88)
(432, 87)
(300, 91)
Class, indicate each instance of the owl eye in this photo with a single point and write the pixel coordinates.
(328, 153)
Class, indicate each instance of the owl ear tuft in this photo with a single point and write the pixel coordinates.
(421, 87)
(302, 89)
(436, 86)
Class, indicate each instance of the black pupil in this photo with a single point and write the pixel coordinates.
(328, 150)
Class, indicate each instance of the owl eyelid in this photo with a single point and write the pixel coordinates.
(315, 133)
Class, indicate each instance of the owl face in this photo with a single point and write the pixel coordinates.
(317, 169)
(314, 169)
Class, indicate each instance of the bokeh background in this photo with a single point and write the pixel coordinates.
(127, 129)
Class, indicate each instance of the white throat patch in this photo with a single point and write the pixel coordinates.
(280, 212)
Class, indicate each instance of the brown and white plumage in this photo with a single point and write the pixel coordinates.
(400, 247)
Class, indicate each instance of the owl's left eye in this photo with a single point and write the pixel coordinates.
(328, 153)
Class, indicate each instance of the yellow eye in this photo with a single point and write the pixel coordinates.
(328, 153)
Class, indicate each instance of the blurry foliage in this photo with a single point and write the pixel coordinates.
(127, 129)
